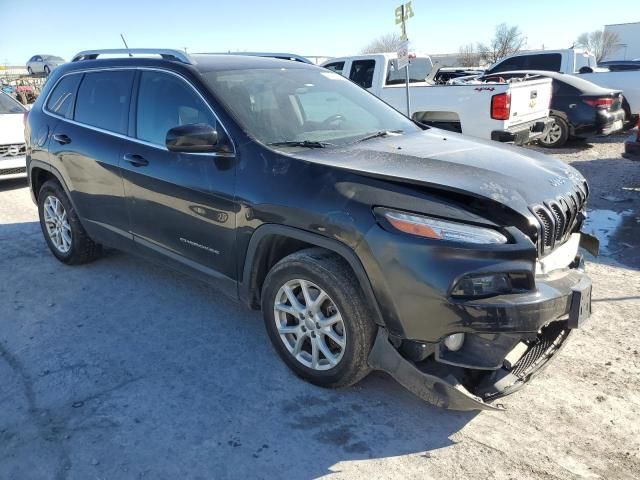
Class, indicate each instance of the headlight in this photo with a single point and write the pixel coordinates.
(435, 228)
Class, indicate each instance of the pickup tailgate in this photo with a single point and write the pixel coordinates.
(529, 101)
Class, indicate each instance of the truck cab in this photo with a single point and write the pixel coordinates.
(567, 61)
(516, 112)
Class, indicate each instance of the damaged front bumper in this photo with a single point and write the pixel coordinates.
(444, 387)
(492, 364)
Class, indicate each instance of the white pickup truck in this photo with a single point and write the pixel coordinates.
(508, 112)
(580, 63)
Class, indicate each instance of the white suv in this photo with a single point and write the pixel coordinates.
(12, 147)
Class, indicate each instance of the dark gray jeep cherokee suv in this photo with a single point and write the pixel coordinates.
(368, 241)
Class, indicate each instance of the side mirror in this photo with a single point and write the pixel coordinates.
(194, 138)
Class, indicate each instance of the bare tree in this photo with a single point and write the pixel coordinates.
(506, 41)
(468, 56)
(383, 44)
(599, 42)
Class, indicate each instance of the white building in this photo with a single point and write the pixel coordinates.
(629, 35)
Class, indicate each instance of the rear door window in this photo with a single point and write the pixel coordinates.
(63, 96)
(543, 61)
(103, 100)
(419, 68)
(546, 61)
(335, 67)
(9, 105)
(165, 101)
(362, 72)
(513, 63)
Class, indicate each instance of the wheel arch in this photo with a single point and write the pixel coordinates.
(447, 120)
(271, 242)
(39, 173)
(565, 117)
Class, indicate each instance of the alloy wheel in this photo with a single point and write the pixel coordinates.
(57, 223)
(553, 135)
(309, 324)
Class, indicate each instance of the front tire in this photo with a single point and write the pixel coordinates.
(65, 236)
(317, 318)
(47, 71)
(29, 71)
(557, 135)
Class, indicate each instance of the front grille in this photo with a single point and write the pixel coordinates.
(13, 150)
(548, 342)
(12, 171)
(557, 218)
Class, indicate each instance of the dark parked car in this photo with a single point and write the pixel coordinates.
(367, 240)
(578, 106)
(620, 65)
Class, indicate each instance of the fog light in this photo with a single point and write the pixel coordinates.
(454, 342)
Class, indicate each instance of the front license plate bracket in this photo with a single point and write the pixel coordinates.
(580, 303)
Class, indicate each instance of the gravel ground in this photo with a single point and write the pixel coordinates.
(123, 370)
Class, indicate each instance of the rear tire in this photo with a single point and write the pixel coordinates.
(65, 236)
(557, 135)
(339, 328)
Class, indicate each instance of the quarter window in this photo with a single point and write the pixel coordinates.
(63, 96)
(362, 72)
(164, 102)
(103, 100)
(335, 67)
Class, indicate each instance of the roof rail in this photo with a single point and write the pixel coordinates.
(277, 55)
(165, 53)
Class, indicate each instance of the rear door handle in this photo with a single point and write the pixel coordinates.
(136, 160)
(61, 138)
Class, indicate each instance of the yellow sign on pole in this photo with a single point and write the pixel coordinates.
(403, 13)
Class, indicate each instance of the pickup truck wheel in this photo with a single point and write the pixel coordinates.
(317, 319)
(61, 227)
(557, 134)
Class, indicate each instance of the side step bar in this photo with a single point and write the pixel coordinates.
(430, 388)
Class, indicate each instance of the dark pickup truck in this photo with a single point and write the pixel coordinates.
(369, 241)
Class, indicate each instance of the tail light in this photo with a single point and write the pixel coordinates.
(599, 103)
(501, 106)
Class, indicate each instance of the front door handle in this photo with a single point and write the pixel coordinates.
(61, 138)
(136, 160)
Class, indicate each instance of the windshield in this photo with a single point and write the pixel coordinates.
(53, 58)
(279, 105)
(9, 105)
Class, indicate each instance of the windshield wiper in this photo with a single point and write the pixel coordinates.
(381, 133)
(302, 143)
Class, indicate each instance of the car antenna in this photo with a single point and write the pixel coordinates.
(125, 44)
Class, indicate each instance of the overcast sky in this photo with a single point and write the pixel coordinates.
(308, 27)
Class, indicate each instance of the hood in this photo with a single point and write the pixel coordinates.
(11, 128)
(449, 161)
